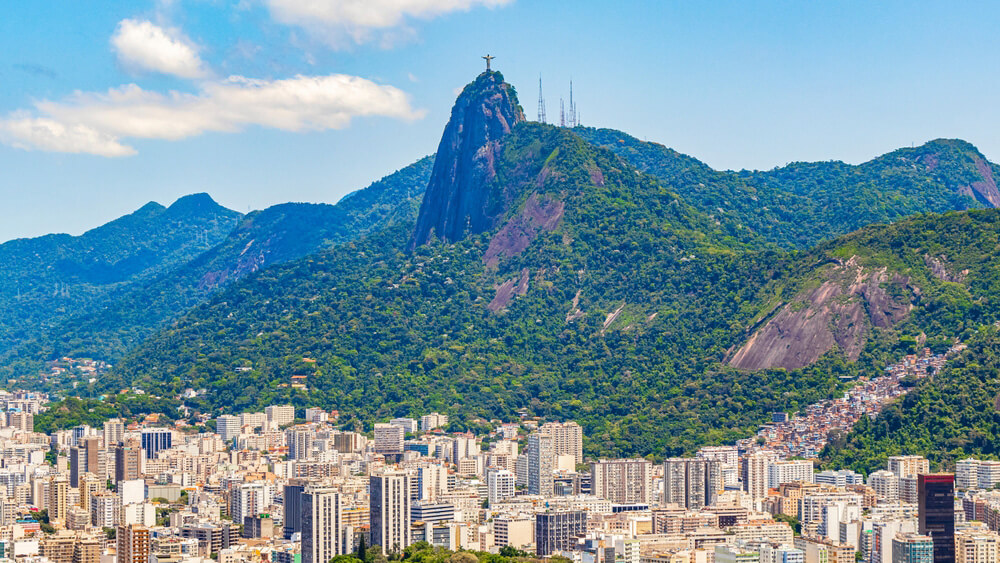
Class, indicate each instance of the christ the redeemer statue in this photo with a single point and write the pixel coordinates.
(488, 59)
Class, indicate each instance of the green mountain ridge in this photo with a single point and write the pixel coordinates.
(802, 204)
(46, 279)
(261, 238)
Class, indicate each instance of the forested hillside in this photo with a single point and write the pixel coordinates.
(271, 236)
(801, 204)
(47, 279)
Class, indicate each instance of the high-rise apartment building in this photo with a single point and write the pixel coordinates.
(567, 438)
(558, 530)
(789, 471)
(250, 499)
(622, 481)
(976, 546)
(431, 421)
(908, 465)
(501, 484)
(389, 497)
(936, 513)
(133, 544)
(323, 533)
(912, 548)
(754, 472)
(691, 482)
(128, 461)
(227, 426)
(541, 463)
(114, 432)
(300, 440)
(280, 415)
(388, 439)
(886, 485)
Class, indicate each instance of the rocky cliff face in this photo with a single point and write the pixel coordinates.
(841, 311)
(460, 199)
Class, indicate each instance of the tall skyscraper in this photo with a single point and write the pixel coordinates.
(155, 440)
(323, 533)
(292, 504)
(567, 438)
(133, 544)
(389, 495)
(691, 482)
(622, 481)
(541, 462)
(936, 513)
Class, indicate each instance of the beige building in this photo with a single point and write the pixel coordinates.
(976, 546)
(567, 438)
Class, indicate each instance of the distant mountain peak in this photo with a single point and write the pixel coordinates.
(199, 202)
(458, 200)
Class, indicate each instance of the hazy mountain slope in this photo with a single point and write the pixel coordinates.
(46, 279)
(274, 235)
(799, 205)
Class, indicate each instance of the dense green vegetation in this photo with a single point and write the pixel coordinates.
(368, 324)
(275, 235)
(74, 411)
(801, 204)
(423, 552)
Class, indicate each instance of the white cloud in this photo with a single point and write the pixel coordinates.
(95, 123)
(332, 20)
(142, 45)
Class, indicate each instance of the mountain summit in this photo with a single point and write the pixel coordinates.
(458, 200)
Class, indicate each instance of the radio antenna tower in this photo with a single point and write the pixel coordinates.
(562, 113)
(572, 106)
(541, 101)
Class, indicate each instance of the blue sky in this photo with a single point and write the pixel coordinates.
(108, 105)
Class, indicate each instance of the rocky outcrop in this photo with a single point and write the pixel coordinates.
(840, 312)
(508, 290)
(460, 199)
(540, 213)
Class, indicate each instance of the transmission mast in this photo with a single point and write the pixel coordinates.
(572, 107)
(562, 113)
(541, 102)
